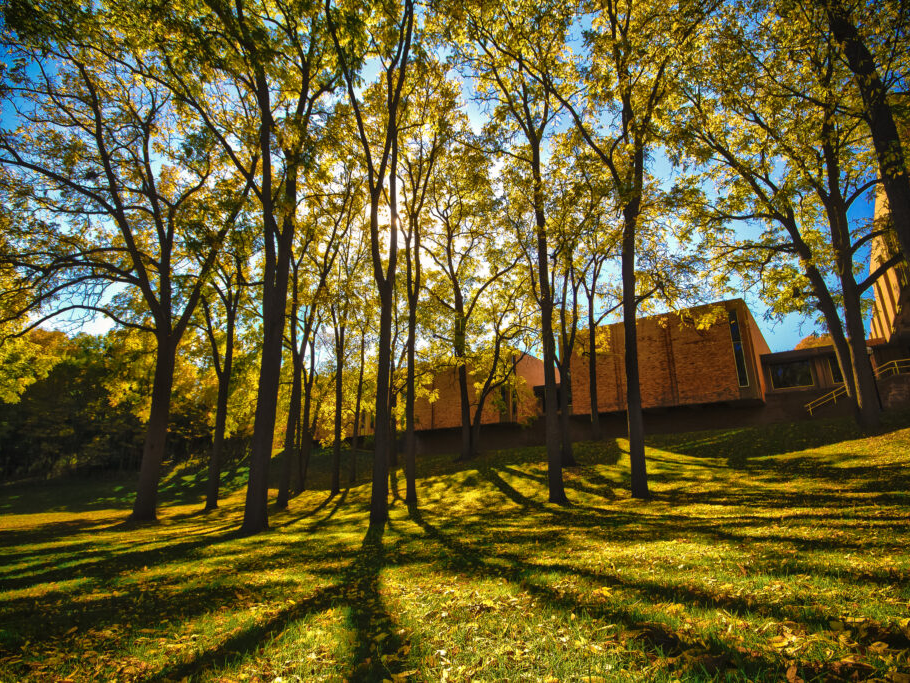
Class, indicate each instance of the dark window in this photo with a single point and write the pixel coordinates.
(738, 355)
(796, 373)
(835, 370)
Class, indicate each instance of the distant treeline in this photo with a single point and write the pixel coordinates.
(84, 410)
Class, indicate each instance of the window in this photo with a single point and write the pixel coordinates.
(796, 373)
(738, 355)
(835, 370)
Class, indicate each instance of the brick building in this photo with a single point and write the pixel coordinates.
(700, 368)
(513, 402)
(703, 355)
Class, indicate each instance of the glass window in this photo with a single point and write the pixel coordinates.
(797, 373)
(738, 355)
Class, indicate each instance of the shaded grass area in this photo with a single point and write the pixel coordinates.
(774, 553)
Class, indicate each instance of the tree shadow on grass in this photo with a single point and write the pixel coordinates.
(104, 565)
(378, 641)
(712, 654)
(571, 483)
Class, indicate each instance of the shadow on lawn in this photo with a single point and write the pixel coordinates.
(378, 642)
(711, 655)
(351, 577)
(653, 637)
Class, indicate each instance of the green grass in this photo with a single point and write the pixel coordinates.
(769, 554)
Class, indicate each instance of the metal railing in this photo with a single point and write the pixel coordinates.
(893, 367)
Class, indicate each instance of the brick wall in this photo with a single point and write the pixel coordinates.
(442, 409)
(684, 358)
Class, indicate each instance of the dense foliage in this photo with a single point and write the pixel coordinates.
(296, 212)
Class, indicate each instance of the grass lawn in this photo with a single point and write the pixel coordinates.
(774, 554)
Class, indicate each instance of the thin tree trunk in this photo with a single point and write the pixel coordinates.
(410, 438)
(224, 381)
(567, 334)
(336, 451)
(596, 431)
(393, 427)
(868, 408)
(274, 298)
(289, 455)
(307, 434)
(556, 489)
(145, 508)
(467, 451)
(379, 496)
(355, 438)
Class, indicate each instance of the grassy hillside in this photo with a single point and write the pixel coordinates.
(777, 553)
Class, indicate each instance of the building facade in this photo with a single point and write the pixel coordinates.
(703, 355)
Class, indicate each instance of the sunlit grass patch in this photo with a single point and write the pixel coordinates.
(750, 562)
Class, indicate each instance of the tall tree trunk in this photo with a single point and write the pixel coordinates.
(145, 507)
(355, 438)
(635, 419)
(379, 496)
(274, 298)
(383, 437)
(885, 137)
(410, 438)
(224, 382)
(863, 377)
(467, 451)
(393, 426)
(567, 337)
(565, 411)
(596, 431)
(828, 308)
(556, 489)
(306, 449)
(289, 455)
(866, 396)
(339, 376)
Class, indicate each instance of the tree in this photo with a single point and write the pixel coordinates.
(793, 161)
(221, 60)
(126, 193)
(492, 49)
(226, 292)
(633, 50)
(879, 87)
(383, 34)
(345, 305)
(471, 254)
(429, 106)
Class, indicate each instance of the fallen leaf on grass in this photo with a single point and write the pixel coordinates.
(793, 675)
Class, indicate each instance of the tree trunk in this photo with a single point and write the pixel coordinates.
(866, 396)
(467, 452)
(289, 456)
(306, 434)
(556, 489)
(274, 298)
(866, 391)
(596, 431)
(885, 137)
(224, 382)
(336, 451)
(145, 508)
(379, 496)
(565, 425)
(565, 371)
(635, 419)
(355, 438)
(410, 438)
